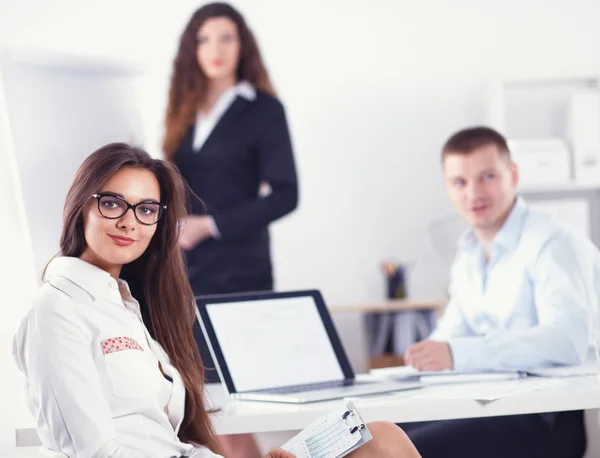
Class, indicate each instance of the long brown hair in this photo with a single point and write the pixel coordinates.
(157, 279)
(188, 82)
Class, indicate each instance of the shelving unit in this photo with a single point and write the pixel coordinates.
(544, 188)
(537, 107)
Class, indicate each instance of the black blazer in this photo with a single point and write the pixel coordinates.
(250, 144)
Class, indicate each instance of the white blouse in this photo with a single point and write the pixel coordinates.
(205, 124)
(92, 370)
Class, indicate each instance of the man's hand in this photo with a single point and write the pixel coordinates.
(429, 356)
(279, 453)
(194, 229)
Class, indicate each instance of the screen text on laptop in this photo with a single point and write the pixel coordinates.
(275, 342)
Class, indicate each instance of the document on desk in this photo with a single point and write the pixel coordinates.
(588, 368)
(397, 372)
(332, 436)
(444, 377)
(456, 377)
(488, 391)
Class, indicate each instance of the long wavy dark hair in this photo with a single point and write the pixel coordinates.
(157, 279)
(188, 82)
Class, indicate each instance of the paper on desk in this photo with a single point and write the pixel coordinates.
(398, 372)
(445, 376)
(457, 377)
(489, 391)
(588, 368)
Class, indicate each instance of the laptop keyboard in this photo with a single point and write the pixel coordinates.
(315, 387)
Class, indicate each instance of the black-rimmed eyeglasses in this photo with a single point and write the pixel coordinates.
(112, 206)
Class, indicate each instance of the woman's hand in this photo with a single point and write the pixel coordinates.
(279, 453)
(194, 229)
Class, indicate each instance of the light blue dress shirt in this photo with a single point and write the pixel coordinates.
(530, 304)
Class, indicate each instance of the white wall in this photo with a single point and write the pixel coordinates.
(371, 93)
(372, 90)
(16, 257)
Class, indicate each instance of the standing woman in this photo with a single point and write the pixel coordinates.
(227, 133)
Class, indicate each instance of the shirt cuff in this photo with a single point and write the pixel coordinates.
(214, 230)
(466, 352)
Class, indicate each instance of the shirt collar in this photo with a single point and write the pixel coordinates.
(509, 234)
(95, 281)
(242, 89)
(246, 90)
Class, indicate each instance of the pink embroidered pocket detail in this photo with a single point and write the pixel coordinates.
(119, 344)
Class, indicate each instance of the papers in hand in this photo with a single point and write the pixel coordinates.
(332, 436)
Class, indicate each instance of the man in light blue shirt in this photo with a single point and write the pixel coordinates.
(521, 290)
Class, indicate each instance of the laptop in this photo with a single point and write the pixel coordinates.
(281, 347)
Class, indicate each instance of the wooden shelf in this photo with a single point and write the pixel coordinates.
(392, 305)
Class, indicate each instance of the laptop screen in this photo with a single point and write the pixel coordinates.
(274, 342)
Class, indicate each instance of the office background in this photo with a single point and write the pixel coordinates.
(371, 89)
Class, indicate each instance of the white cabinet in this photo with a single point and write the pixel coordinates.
(552, 123)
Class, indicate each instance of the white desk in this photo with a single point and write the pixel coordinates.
(235, 417)
(582, 393)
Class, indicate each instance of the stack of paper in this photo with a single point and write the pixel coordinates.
(406, 373)
(444, 377)
(589, 368)
(488, 391)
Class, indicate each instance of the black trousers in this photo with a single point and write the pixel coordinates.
(554, 435)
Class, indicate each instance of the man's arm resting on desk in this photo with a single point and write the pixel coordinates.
(563, 288)
(538, 346)
(435, 354)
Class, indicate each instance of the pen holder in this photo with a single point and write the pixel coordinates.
(395, 275)
(379, 326)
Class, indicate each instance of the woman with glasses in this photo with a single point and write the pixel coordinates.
(107, 351)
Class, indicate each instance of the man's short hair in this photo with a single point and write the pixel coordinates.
(468, 140)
